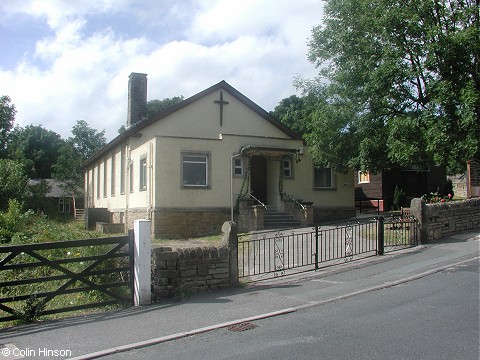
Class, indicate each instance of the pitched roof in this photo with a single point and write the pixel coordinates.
(55, 188)
(221, 85)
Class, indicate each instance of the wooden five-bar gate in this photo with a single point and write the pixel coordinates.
(270, 254)
(49, 278)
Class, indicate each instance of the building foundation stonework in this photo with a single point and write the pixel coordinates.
(188, 223)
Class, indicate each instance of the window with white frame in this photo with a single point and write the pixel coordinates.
(363, 177)
(123, 162)
(131, 176)
(287, 168)
(98, 180)
(143, 173)
(324, 178)
(195, 171)
(238, 166)
(104, 177)
(112, 175)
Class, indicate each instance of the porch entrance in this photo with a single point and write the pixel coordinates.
(258, 178)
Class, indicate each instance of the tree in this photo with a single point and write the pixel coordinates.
(407, 76)
(83, 144)
(13, 182)
(157, 106)
(291, 112)
(36, 148)
(87, 140)
(7, 118)
(68, 168)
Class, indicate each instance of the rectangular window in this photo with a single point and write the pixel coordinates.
(122, 170)
(64, 205)
(195, 170)
(287, 168)
(98, 180)
(105, 178)
(143, 173)
(68, 203)
(112, 175)
(238, 167)
(324, 178)
(131, 176)
(61, 205)
(363, 177)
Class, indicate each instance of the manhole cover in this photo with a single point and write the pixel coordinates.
(242, 327)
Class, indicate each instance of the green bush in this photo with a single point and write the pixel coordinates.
(398, 198)
(14, 222)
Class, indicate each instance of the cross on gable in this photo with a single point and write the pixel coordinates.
(221, 103)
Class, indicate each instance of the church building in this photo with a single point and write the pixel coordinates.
(214, 157)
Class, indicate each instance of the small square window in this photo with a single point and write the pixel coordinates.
(287, 168)
(363, 177)
(238, 167)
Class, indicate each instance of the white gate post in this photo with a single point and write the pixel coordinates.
(142, 263)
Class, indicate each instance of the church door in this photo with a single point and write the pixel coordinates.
(258, 179)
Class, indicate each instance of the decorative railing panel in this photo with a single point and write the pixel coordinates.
(282, 252)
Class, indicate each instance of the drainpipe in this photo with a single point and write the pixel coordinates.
(231, 184)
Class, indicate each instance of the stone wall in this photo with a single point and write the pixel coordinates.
(250, 217)
(180, 272)
(188, 223)
(304, 215)
(183, 271)
(444, 219)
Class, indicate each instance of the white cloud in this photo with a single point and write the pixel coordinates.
(58, 13)
(256, 46)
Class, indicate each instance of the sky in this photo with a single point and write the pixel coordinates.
(68, 60)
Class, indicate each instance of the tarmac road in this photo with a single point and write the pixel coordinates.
(295, 296)
(432, 317)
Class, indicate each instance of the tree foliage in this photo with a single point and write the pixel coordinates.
(36, 148)
(86, 139)
(291, 111)
(68, 168)
(13, 182)
(7, 119)
(400, 79)
(84, 142)
(157, 106)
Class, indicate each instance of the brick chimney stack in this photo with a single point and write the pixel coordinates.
(137, 98)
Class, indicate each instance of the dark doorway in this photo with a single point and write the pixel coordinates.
(258, 179)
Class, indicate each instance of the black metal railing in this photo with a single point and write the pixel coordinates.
(284, 252)
(49, 278)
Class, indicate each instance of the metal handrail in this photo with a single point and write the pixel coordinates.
(294, 200)
(254, 198)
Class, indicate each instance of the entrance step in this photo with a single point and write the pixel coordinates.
(274, 219)
(79, 214)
